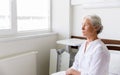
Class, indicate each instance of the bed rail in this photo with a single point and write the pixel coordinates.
(111, 44)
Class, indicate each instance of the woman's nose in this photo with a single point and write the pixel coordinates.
(82, 27)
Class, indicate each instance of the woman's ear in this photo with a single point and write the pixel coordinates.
(97, 28)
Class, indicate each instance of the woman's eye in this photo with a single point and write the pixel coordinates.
(87, 25)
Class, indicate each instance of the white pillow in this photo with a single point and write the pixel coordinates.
(114, 67)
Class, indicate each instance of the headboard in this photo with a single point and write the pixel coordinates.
(112, 44)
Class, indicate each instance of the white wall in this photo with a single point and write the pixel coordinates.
(42, 44)
(61, 18)
(66, 18)
(110, 20)
(61, 22)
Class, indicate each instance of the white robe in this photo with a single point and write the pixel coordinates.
(95, 61)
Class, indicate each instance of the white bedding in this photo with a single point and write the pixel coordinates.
(114, 67)
(63, 73)
(59, 73)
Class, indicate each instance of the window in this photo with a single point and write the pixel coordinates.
(24, 15)
(4, 14)
(5, 24)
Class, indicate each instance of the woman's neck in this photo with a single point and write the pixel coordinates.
(91, 38)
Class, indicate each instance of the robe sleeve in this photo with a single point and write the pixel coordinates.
(76, 62)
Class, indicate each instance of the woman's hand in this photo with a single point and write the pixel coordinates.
(71, 71)
(68, 71)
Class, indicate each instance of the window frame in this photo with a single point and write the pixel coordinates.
(13, 22)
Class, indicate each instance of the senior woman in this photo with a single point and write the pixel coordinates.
(93, 56)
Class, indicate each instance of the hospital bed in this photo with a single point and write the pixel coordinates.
(114, 49)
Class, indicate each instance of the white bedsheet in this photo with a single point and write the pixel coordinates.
(59, 73)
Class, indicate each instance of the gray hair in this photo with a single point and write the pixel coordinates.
(96, 21)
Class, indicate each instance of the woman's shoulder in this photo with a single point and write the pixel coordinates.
(102, 50)
(99, 43)
(101, 47)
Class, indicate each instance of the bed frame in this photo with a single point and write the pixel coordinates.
(113, 44)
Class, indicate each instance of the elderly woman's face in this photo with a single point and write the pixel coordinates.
(87, 28)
